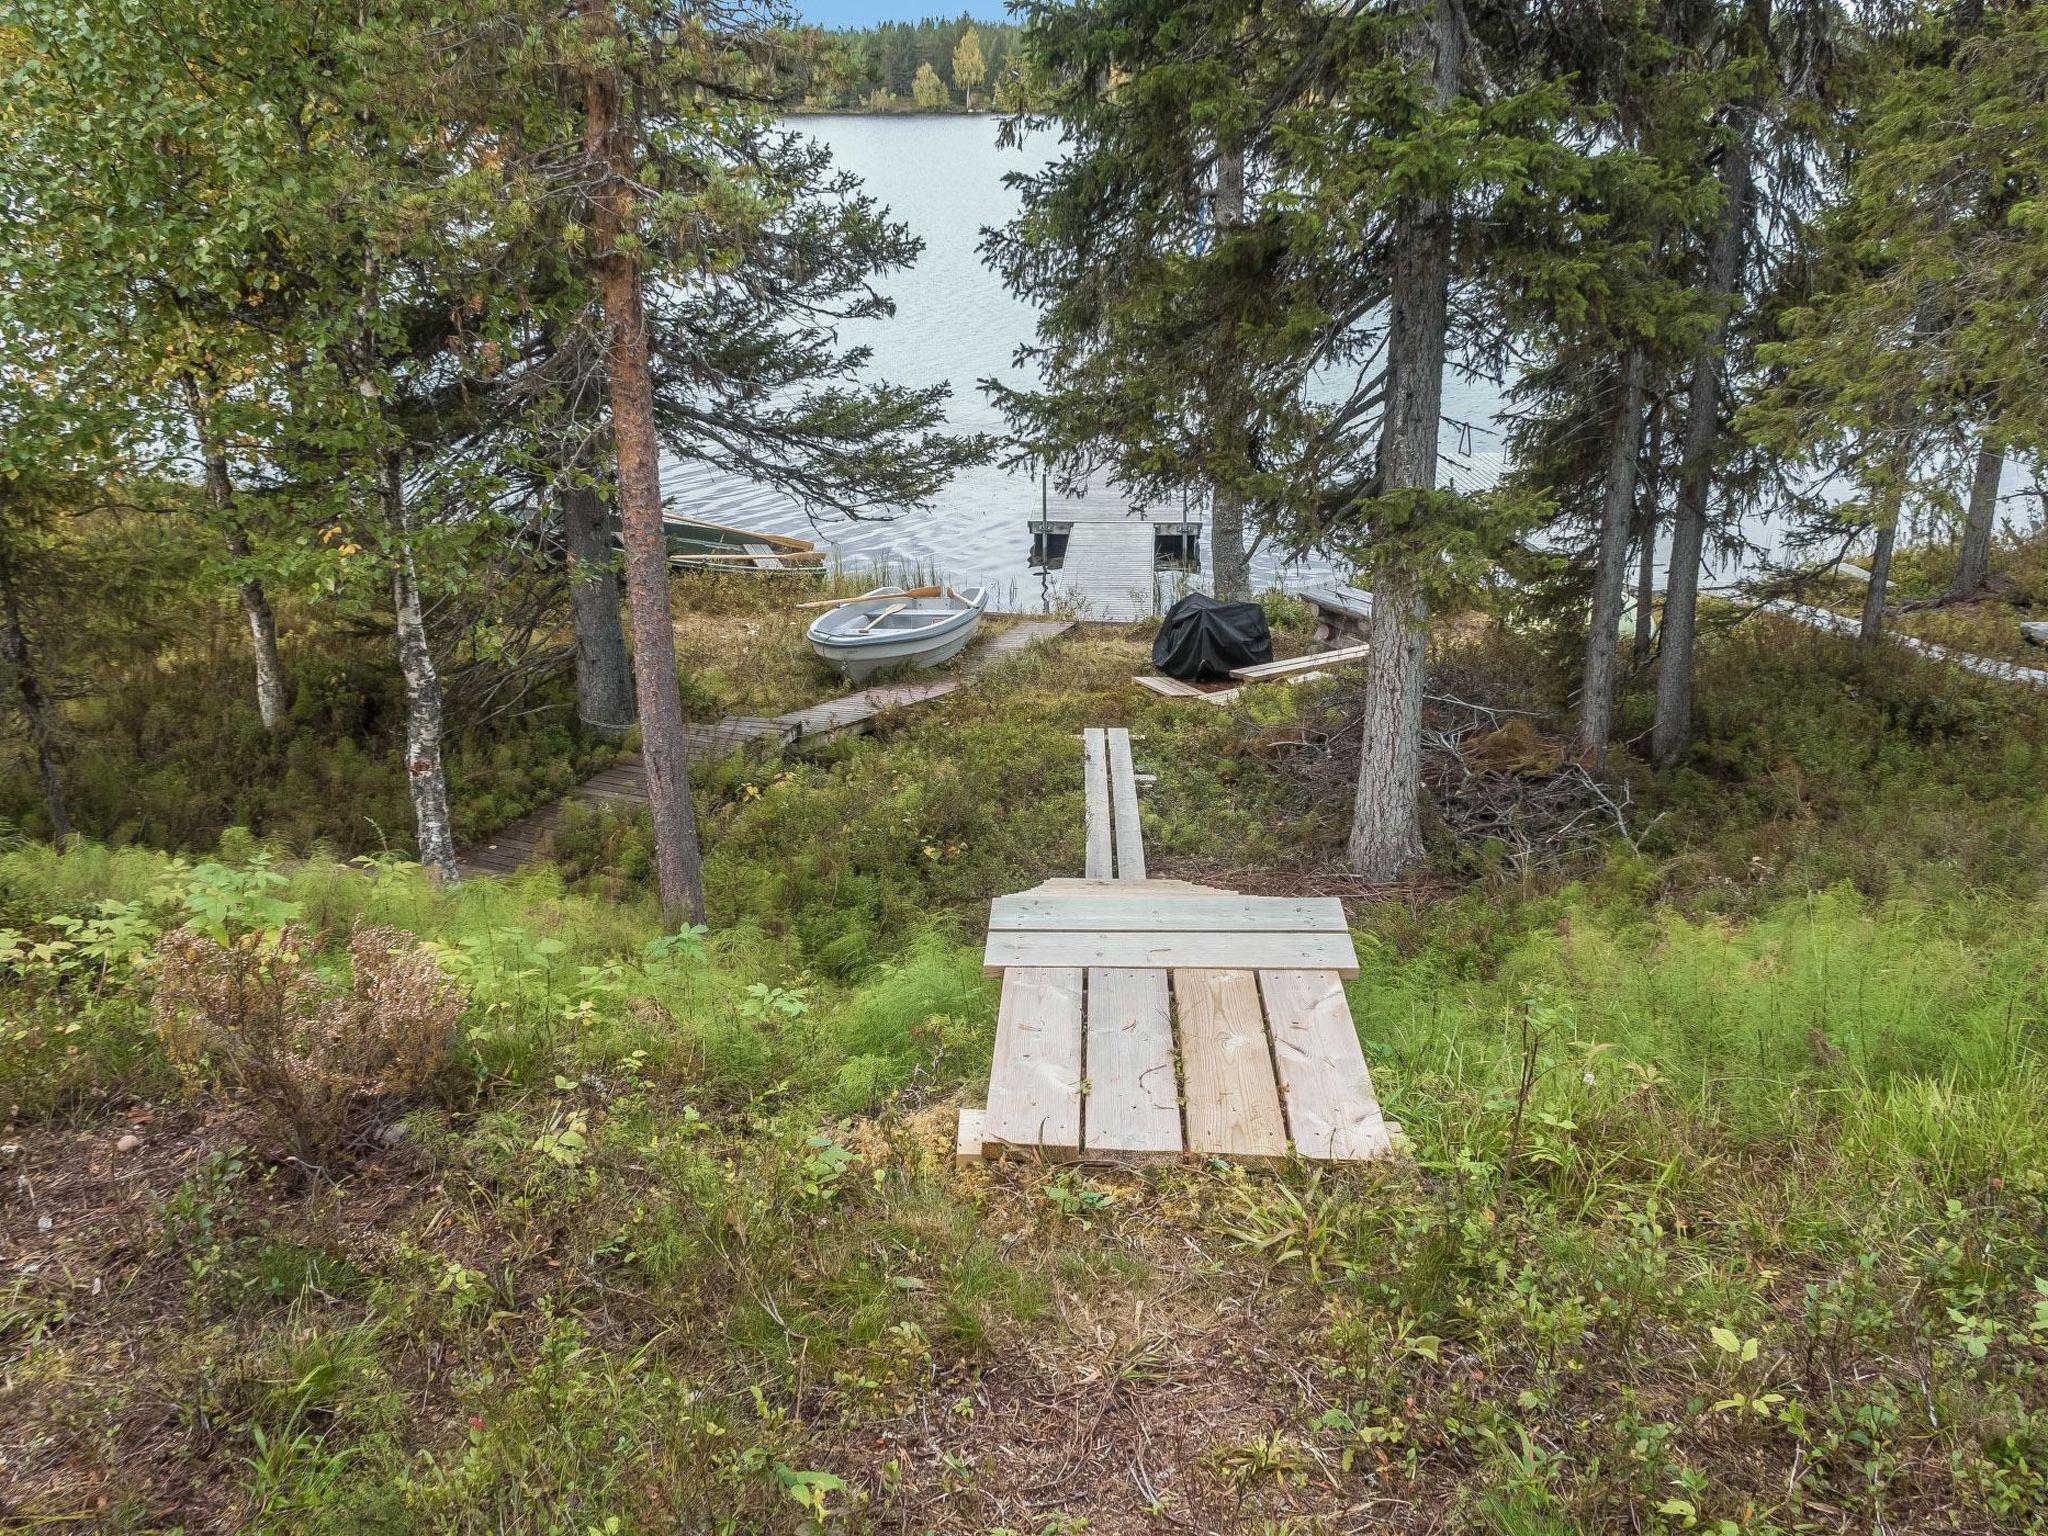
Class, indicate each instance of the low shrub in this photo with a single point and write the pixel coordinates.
(324, 1066)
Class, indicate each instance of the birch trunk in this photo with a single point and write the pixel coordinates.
(604, 675)
(1386, 829)
(1610, 574)
(271, 702)
(678, 864)
(1233, 571)
(1973, 562)
(424, 773)
(36, 707)
(1673, 728)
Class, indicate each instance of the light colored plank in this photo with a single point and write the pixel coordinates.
(1095, 785)
(1124, 887)
(967, 1139)
(1154, 912)
(1233, 1106)
(1168, 687)
(1331, 1107)
(1228, 951)
(1132, 1106)
(1034, 1085)
(1123, 799)
(1265, 671)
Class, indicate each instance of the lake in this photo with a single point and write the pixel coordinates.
(955, 324)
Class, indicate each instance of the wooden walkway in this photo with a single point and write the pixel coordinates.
(1841, 624)
(1147, 1020)
(625, 781)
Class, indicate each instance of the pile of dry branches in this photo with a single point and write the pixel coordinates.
(1491, 776)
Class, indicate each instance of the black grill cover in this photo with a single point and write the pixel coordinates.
(1200, 639)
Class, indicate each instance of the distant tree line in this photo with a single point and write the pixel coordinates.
(932, 65)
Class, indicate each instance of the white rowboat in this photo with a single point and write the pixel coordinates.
(887, 628)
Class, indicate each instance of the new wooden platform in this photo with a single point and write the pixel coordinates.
(625, 781)
(1148, 1019)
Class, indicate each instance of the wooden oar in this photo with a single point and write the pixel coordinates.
(841, 602)
(871, 623)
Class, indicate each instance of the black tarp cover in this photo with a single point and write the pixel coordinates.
(1200, 639)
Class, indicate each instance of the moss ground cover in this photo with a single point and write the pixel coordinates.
(1724, 1209)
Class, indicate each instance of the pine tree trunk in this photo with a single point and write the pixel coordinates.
(1880, 577)
(1610, 574)
(271, 702)
(678, 864)
(1233, 569)
(36, 707)
(425, 775)
(604, 675)
(1973, 563)
(1646, 562)
(1673, 728)
(1386, 828)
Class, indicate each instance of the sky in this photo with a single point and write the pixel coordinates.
(862, 13)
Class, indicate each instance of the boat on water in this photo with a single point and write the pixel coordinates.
(889, 628)
(698, 543)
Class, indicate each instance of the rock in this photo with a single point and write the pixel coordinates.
(128, 1143)
(393, 1133)
(2035, 633)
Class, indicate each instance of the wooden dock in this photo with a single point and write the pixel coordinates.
(1147, 1020)
(625, 781)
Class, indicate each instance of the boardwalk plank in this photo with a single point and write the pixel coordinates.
(1132, 1109)
(1123, 799)
(1034, 1086)
(1095, 795)
(1150, 911)
(1331, 1107)
(1233, 1105)
(1245, 951)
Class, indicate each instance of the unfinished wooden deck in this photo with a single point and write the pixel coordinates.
(1145, 1020)
(625, 781)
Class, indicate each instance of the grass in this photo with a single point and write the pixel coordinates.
(679, 1242)
(1986, 627)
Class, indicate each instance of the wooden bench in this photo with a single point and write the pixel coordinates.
(1151, 1019)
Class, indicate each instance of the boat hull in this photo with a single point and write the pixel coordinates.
(840, 640)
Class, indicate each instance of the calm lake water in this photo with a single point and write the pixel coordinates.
(955, 324)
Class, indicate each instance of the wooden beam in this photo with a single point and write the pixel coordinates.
(1149, 911)
(1196, 949)
(1266, 671)
(1168, 687)
(1095, 787)
(1123, 798)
